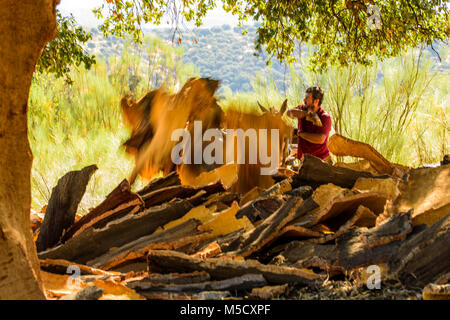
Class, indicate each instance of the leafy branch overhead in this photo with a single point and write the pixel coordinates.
(342, 31)
(66, 50)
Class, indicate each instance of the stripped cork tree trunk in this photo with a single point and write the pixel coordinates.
(25, 28)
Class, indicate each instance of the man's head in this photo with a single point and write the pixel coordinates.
(313, 98)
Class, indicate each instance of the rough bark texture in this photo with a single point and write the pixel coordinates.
(223, 268)
(297, 231)
(92, 242)
(268, 292)
(61, 266)
(162, 195)
(324, 238)
(425, 256)
(260, 208)
(25, 27)
(305, 192)
(356, 248)
(315, 172)
(244, 282)
(62, 206)
(205, 295)
(170, 180)
(251, 210)
(220, 244)
(120, 195)
(342, 146)
(270, 228)
(170, 278)
(172, 238)
(340, 208)
(427, 191)
(226, 198)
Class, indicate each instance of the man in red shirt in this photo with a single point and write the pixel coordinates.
(312, 138)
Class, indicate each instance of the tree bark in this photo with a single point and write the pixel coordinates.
(356, 248)
(94, 242)
(223, 268)
(119, 200)
(342, 146)
(252, 212)
(270, 229)
(170, 180)
(62, 206)
(166, 194)
(239, 283)
(25, 27)
(169, 239)
(168, 278)
(315, 172)
(424, 257)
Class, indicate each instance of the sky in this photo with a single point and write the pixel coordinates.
(82, 11)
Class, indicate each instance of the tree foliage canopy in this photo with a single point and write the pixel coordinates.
(65, 50)
(342, 31)
(346, 31)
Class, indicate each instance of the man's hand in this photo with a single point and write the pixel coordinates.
(296, 113)
(314, 118)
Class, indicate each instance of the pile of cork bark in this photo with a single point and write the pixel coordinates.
(172, 241)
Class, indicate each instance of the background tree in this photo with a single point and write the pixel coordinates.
(342, 31)
(66, 49)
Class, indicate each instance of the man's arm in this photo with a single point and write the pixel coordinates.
(321, 136)
(296, 113)
(317, 138)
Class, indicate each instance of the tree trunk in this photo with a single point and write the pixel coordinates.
(25, 27)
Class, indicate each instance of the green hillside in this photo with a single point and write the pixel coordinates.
(220, 52)
(225, 53)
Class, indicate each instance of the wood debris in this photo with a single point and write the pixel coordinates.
(62, 206)
(436, 292)
(176, 241)
(427, 191)
(269, 292)
(342, 146)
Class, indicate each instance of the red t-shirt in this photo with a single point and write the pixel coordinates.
(318, 150)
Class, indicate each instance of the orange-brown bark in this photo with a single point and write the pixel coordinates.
(25, 28)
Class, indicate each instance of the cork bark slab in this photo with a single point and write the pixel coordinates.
(356, 248)
(222, 268)
(427, 191)
(342, 146)
(315, 172)
(271, 228)
(62, 206)
(166, 194)
(424, 257)
(169, 239)
(92, 242)
(172, 179)
(120, 196)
